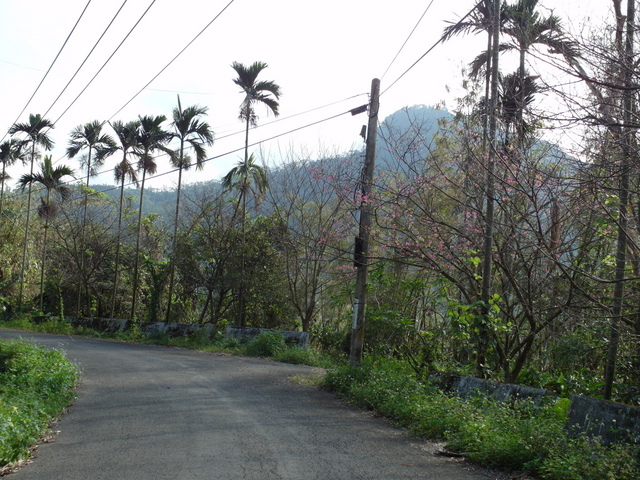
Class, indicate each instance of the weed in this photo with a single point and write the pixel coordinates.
(268, 344)
(35, 385)
(514, 436)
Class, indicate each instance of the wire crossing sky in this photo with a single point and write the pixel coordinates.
(320, 53)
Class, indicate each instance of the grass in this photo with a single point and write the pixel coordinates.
(36, 384)
(517, 436)
(269, 344)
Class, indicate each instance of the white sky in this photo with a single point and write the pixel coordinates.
(319, 52)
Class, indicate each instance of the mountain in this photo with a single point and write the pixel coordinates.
(403, 124)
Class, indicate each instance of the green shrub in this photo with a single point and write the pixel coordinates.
(36, 384)
(297, 356)
(516, 436)
(268, 344)
(585, 458)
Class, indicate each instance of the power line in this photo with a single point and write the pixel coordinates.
(50, 67)
(229, 152)
(438, 42)
(405, 42)
(107, 61)
(87, 57)
(173, 59)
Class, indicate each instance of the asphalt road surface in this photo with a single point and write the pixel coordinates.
(146, 412)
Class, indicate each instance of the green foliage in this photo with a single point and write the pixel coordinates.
(268, 344)
(585, 458)
(515, 436)
(298, 356)
(36, 384)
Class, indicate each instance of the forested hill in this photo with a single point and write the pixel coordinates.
(419, 120)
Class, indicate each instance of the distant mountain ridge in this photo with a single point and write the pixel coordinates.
(403, 122)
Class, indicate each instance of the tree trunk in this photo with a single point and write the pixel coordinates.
(175, 235)
(26, 230)
(623, 193)
(117, 261)
(490, 193)
(136, 262)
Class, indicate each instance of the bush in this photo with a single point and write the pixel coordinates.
(36, 384)
(268, 344)
(297, 356)
(516, 436)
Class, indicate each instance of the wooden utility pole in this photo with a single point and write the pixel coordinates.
(361, 251)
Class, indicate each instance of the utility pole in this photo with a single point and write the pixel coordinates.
(361, 250)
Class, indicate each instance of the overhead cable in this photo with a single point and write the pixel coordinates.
(239, 149)
(87, 57)
(438, 42)
(405, 42)
(50, 66)
(106, 62)
(173, 60)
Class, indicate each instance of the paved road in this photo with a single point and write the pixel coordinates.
(146, 412)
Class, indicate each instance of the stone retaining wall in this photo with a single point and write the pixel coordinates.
(121, 325)
(300, 339)
(465, 386)
(612, 422)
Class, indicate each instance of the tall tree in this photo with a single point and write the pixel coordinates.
(628, 63)
(35, 134)
(10, 152)
(526, 28)
(256, 92)
(98, 146)
(191, 132)
(51, 179)
(127, 134)
(151, 139)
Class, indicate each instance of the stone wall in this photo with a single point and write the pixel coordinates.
(612, 422)
(299, 339)
(464, 386)
(121, 325)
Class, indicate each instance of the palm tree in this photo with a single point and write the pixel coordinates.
(51, 179)
(89, 137)
(36, 135)
(151, 137)
(127, 134)
(190, 131)
(10, 152)
(525, 27)
(255, 91)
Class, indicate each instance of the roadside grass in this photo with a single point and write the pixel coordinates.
(36, 384)
(269, 345)
(517, 436)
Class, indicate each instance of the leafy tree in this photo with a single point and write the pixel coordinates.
(51, 179)
(35, 135)
(190, 131)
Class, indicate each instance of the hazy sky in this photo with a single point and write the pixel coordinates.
(322, 54)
